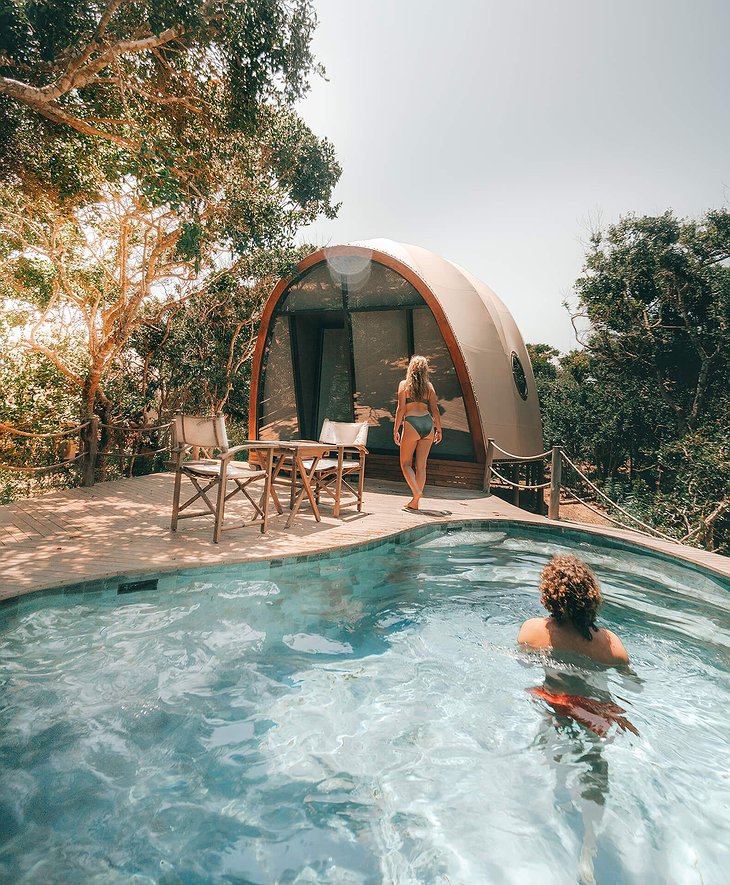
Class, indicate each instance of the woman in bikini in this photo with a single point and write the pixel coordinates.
(417, 426)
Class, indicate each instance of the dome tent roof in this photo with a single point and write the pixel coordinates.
(487, 337)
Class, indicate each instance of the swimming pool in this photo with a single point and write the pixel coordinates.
(363, 719)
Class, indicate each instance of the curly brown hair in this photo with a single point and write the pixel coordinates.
(570, 592)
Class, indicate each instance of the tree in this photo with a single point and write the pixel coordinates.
(543, 358)
(644, 404)
(217, 334)
(152, 155)
(656, 291)
(91, 92)
(78, 282)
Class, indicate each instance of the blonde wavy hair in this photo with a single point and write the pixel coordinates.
(570, 592)
(417, 378)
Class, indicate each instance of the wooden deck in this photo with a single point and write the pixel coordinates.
(123, 528)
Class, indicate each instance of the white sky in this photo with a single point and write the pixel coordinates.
(495, 132)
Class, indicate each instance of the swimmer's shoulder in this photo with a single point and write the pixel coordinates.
(534, 632)
(612, 649)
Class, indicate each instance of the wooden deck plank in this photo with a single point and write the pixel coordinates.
(122, 527)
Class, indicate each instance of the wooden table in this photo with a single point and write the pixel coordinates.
(296, 450)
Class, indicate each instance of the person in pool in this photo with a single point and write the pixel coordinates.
(570, 592)
(417, 426)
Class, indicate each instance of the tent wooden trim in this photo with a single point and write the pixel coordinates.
(462, 372)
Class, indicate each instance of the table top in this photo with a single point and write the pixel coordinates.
(291, 445)
(286, 443)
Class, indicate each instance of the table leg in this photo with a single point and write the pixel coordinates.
(293, 486)
(277, 465)
(268, 486)
(305, 490)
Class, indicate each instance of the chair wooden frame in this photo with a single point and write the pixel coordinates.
(298, 472)
(332, 477)
(213, 474)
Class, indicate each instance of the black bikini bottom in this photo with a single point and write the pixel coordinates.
(422, 424)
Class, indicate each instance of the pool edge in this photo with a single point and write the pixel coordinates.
(688, 557)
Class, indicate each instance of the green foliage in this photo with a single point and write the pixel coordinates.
(150, 151)
(644, 405)
(143, 87)
(543, 357)
(656, 291)
(33, 398)
(153, 175)
(694, 496)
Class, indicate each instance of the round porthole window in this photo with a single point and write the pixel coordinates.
(518, 373)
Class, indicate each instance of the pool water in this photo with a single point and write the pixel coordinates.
(365, 719)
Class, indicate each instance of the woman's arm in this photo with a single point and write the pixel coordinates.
(434, 406)
(399, 412)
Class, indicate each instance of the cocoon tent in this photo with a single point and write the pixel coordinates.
(335, 340)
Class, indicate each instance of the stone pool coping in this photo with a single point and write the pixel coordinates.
(88, 540)
(267, 568)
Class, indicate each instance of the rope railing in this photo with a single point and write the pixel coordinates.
(540, 457)
(88, 433)
(519, 485)
(138, 431)
(618, 507)
(605, 515)
(557, 485)
(44, 469)
(6, 428)
(135, 428)
(142, 454)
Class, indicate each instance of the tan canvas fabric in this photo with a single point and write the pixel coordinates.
(487, 336)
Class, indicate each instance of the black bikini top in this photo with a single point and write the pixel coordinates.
(411, 400)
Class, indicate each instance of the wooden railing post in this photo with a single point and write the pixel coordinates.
(516, 487)
(556, 467)
(487, 485)
(540, 494)
(92, 447)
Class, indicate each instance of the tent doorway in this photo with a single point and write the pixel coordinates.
(323, 369)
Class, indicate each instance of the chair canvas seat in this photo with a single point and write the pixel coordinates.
(236, 469)
(212, 476)
(330, 464)
(332, 476)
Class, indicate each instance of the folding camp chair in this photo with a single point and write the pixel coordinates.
(212, 474)
(336, 476)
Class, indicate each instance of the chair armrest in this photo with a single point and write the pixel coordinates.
(361, 449)
(177, 453)
(244, 447)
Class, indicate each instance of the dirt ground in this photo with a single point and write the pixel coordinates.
(575, 512)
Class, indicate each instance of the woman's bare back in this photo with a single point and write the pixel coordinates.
(604, 646)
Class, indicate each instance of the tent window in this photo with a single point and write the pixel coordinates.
(379, 286)
(429, 342)
(380, 348)
(279, 406)
(316, 290)
(334, 397)
(518, 373)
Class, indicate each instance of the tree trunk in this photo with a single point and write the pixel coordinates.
(701, 388)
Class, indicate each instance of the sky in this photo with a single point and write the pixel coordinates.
(499, 134)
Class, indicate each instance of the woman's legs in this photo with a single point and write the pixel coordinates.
(423, 448)
(411, 443)
(408, 443)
